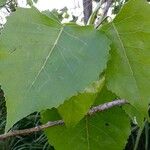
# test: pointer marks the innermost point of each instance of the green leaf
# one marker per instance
(74, 109)
(54, 14)
(44, 63)
(2, 2)
(35, 1)
(108, 130)
(104, 96)
(128, 72)
(30, 2)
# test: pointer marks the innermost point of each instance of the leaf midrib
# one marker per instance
(87, 132)
(48, 56)
(128, 61)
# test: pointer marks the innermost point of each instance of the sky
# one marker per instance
(50, 4)
(74, 7)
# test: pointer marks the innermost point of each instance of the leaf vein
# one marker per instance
(48, 56)
(128, 61)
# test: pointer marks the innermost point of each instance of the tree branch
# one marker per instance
(108, 5)
(106, 106)
(49, 124)
(87, 10)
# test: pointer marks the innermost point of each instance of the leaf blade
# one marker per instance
(103, 130)
(41, 49)
(128, 69)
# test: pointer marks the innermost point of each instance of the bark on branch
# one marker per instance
(87, 10)
(49, 124)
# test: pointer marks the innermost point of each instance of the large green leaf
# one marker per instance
(128, 72)
(108, 130)
(44, 63)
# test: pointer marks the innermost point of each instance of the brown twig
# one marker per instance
(106, 106)
(49, 124)
(31, 130)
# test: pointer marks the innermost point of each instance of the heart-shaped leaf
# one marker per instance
(44, 63)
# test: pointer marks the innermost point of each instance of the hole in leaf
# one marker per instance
(106, 124)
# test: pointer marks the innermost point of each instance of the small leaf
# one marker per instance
(108, 130)
(2, 2)
(74, 109)
(35, 1)
(53, 15)
(46, 63)
(104, 96)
